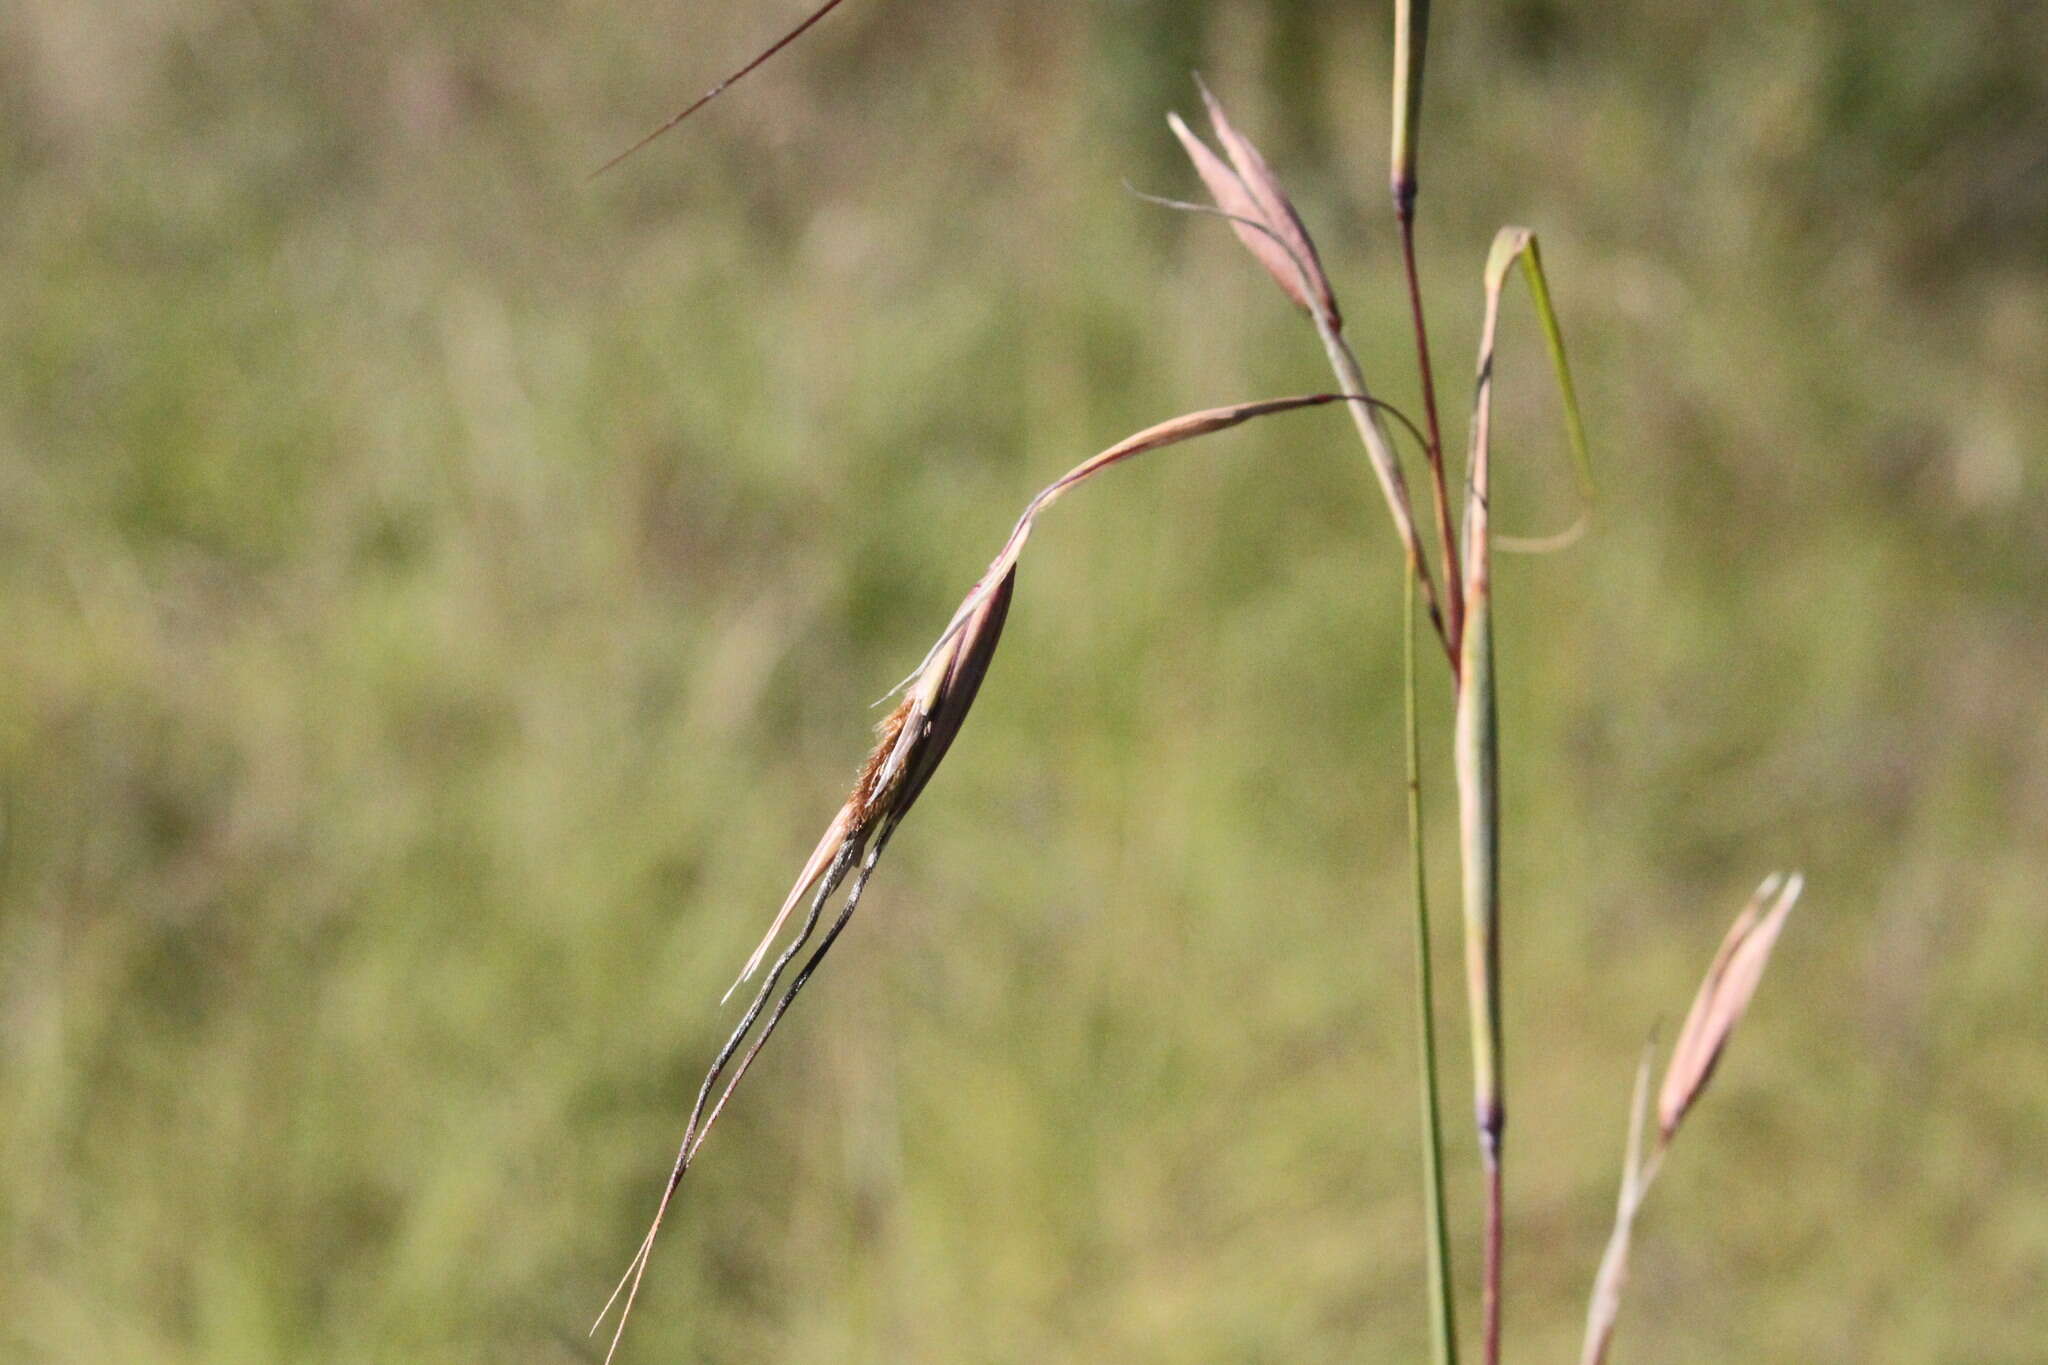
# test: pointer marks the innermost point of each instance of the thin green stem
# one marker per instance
(1443, 1322)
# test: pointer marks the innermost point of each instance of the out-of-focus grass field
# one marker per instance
(440, 600)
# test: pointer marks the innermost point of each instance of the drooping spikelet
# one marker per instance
(912, 740)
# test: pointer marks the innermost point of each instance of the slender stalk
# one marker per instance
(1476, 742)
(1454, 595)
(1372, 431)
(1443, 1323)
(1637, 1176)
(719, 89)
(1489, 1299)
(1411, 46)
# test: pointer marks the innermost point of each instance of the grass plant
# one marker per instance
(915, 736)
(442, 602)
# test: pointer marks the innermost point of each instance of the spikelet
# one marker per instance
(1731, 980)
(1260, 213)
(1722, 998)
(912, 740)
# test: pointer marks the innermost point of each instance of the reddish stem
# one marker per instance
(1454, 588)
(1489, 1303)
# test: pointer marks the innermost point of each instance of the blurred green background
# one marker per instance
(440, 600)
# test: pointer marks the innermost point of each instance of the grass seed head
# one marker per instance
(1723, 996)
(910, 743)
(1260, 213)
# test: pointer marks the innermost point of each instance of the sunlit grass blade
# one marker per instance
(1531, 256)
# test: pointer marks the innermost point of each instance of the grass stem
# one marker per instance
(1489, 1299)
(1443, 1323)
(1454, 596)
(1372, 432)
